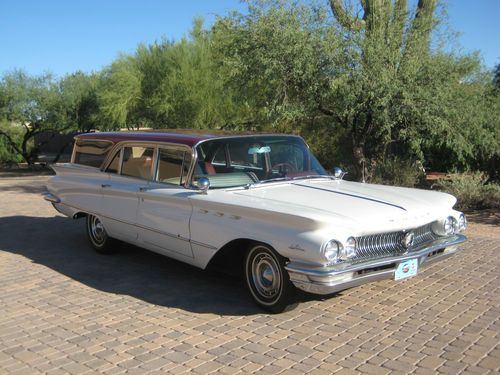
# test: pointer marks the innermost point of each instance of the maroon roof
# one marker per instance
(187, 137)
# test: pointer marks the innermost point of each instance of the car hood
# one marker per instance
(351, 203)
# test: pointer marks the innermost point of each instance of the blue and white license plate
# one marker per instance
(405, 269)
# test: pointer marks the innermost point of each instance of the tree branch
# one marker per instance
(344, 18)
(331, 113)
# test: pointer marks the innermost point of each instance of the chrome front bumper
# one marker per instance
(327, 280)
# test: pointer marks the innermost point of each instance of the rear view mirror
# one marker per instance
(259, 150)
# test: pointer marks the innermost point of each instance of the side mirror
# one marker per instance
(339, 173)
(203, 185)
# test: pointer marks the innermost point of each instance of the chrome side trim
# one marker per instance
(203, 245)
(179, 237)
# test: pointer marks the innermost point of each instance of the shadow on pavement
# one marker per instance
(25, 188)
(60, 244)
(488, 217)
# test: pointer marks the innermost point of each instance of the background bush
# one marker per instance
(472, 191)
(7, 154)
(398, 172)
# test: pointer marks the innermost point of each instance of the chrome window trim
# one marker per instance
(184, 176)
(195, 153)
(111, 158)
(73, 151)
(156, 146)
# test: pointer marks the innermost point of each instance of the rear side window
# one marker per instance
(91, 152)
(137, 162)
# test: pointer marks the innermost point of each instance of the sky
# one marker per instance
(64, 36)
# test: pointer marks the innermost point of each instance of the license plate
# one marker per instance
(406, 269)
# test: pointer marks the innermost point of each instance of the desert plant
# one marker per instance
(9, 146)
(396, 171)
(472, 190)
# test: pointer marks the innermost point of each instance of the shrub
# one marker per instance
(7, 154)
(397, 172)
(472, 191)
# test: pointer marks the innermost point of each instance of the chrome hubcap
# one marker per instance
(266, 276)
(97, 230)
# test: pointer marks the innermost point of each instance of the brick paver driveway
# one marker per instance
(65, 309)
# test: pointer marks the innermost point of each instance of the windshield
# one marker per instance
(231, 162)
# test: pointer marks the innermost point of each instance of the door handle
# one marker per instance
(105, 185)
(143, 189)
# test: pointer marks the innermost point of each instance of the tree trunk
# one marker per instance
(358, 153)
(27, 156)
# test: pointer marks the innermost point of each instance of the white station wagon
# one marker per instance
(261, 204)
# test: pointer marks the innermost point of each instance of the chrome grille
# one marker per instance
(390, 244)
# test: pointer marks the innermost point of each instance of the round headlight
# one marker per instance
(331, 251)
(462, 223)
(349, 250)
(450, 225)
(445, 227)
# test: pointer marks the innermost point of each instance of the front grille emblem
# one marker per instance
(407, 240)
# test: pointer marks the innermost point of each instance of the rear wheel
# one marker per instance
(267, 280)
(98, 237)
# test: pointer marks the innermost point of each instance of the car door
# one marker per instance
(128, 174)
(164, 208)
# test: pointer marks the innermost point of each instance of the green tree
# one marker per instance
(119, 95)
(372, 97)
(371, 85)
(167, 84)
(79, 95)
(36, 105)
(277, 59)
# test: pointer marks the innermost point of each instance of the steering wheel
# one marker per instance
(288, 167)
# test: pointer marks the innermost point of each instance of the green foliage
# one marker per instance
(456, 124)
(362, 83)
(79, 99)
(371, 85)
(275, 59)
(400, 172)
(472, 191)
(8, 154)
(33, 103)
(168, 85)
(36, 104)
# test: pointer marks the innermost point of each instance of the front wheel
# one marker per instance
(97, 235)
(267, 280)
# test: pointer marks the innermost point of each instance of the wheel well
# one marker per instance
(229, 259)
(79, 215)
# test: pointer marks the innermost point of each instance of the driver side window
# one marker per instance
(173, 165)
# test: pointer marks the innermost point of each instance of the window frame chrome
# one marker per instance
(119, 146)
